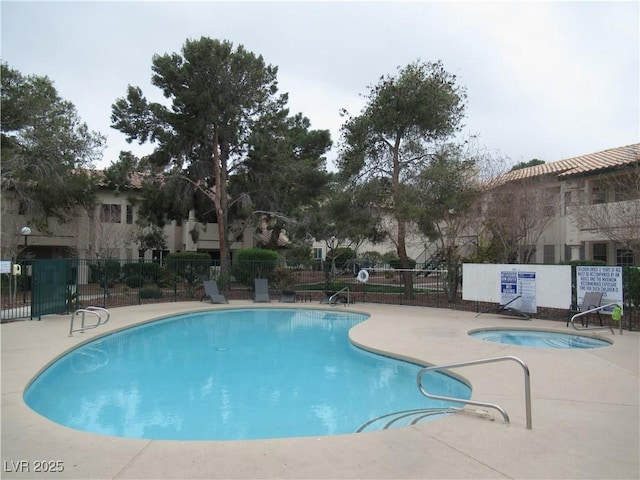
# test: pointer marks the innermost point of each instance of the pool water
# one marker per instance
(229, 375)
(539, 338)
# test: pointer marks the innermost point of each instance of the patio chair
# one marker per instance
(288, 296)
(211, 292)
(590, 300)
(261, 293)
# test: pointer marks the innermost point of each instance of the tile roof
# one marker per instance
(590, 163)
(135, 180)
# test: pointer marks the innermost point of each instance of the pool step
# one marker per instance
(88, 359)
(401, 418)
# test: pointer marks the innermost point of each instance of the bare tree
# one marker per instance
(516, 214)
(107, 240)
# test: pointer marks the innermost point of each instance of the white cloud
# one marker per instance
(544, 79)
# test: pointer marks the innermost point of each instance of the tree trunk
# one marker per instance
(453, 274)
(272, 244)
(221, 203)
(407, 277)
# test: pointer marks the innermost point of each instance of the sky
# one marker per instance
(545, 80)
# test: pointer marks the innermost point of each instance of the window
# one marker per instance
(317, 253)
(624, 257)
(598, 195)
(600, 252)
(159, 255)
(551, 197)
(549, 254)
(567, 201)
(111, 213)
(129, 214)
(626, 188)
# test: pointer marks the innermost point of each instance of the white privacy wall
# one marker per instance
(481, 283)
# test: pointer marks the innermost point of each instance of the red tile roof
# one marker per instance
(592, 162)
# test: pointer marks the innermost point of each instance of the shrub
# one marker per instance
(585, 263)
(253, 263)
(341, 256)
(299, 255)
(104, 272)
(148, 270)
(396, 264)
(631, 281)
(191, 267)
(151, 292)
(282, 278)
(372, 259)
(166, 278)
(134, 281)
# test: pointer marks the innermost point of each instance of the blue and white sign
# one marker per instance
(520, 289)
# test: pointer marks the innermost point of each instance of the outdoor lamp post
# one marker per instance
(26, 231)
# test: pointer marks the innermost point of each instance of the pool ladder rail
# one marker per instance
(333, 300)
(593, 310)
(102, 316)
(505, 416)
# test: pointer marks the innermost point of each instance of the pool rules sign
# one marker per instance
(518, 290)
(607, 280)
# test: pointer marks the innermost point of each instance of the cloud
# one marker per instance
(545, 80)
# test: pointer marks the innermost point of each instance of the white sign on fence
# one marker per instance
(482, 282)
(607, 280)
(521, 286)
(5, 266)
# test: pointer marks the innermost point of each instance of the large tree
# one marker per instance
(45, 150)
(217, 93)
(393, 138)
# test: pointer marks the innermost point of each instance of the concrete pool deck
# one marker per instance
(585, 410)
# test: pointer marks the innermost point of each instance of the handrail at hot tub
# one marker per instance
(527, 385)
(593, 310)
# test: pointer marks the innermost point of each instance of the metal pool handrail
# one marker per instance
(97, 311)
(335, 295)
(592, 310)
(505, 416)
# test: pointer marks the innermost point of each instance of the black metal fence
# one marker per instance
(62, 286)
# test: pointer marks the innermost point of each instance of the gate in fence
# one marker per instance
(54, 285)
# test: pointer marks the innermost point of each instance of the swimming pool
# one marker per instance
(231, 374)
(539, 338)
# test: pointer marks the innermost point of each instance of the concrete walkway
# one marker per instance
(586, 420)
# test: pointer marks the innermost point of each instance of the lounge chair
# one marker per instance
(288, 296)
(211, 292)
(261, 293)
(590, 300)
(511, 311)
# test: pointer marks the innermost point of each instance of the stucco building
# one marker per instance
(581, 208)
(587, 208)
